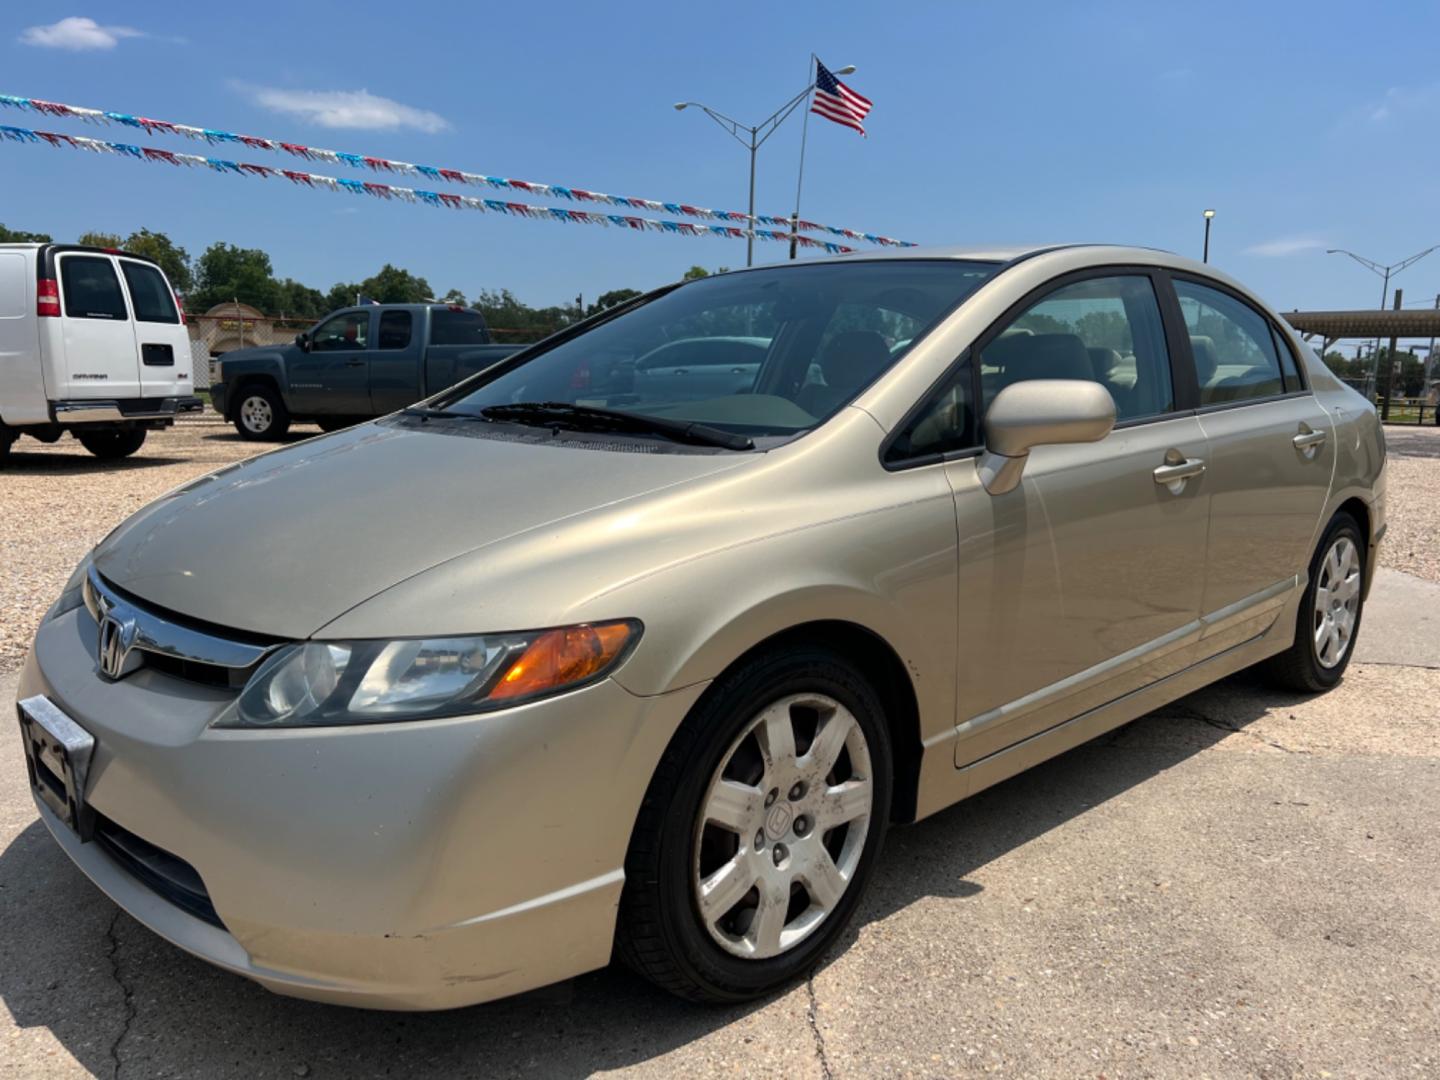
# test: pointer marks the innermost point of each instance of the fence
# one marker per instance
(1411, 411)
(212, 335)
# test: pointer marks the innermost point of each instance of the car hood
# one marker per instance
(284, 543)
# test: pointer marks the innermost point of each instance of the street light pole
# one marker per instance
(1205, 257)
(753, 137)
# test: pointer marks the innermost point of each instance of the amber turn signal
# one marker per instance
(566, 657)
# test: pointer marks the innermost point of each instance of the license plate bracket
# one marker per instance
(58, 752)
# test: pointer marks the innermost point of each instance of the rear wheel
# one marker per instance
(1329, 616)
(759, 830)
(112, 445)
(337, 423)
(260, 414)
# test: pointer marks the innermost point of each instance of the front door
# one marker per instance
(332, 378)
(102, 359)
(1272, 452)
(1085, 582)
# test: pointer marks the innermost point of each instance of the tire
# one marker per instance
(735, 953)
(336, 423)
(259, 414)
(112, 445)
(1307, 666)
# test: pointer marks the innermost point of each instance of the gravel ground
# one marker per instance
(59, 502)
(1413, 542)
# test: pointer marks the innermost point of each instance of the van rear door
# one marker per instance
(101, 356)
(160, 336)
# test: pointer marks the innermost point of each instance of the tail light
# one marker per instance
(179, 306)
(580, 377)
(47, 298)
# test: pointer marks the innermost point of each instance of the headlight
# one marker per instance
(367, 682)
(73, 595)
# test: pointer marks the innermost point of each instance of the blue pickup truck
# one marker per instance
(354, 364)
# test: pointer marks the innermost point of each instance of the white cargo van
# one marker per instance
(93, 342)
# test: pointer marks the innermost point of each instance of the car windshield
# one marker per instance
(761, 353)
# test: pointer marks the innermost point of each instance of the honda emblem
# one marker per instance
(113, 647)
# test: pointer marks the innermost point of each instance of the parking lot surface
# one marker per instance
(1242, 883)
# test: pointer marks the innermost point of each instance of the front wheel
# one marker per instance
(1329, 616)
(760, 829)
(260, 414)
(112, 445)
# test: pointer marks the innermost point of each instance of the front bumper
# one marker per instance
(409, 866)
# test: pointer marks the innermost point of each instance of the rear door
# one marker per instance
(160, 336)
(1272, 453)
(395, 362)
(101, 357)
(332, 378)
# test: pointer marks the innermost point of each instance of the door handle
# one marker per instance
(1173, 474)
(354, 361)
(1306, 439)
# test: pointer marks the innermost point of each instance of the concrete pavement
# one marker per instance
(1243, 883)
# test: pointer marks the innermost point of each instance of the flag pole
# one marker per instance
(800, 179)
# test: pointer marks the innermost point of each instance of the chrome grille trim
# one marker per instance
(156, 634)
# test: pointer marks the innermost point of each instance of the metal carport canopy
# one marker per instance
(1333, 325)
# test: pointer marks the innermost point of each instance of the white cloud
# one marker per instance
(1286, 245)
(349, 109)
(77, 34)
(1397, 103)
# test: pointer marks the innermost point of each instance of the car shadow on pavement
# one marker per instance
(80, 463)
(109, 991)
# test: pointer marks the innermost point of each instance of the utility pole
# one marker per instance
(1390, 362)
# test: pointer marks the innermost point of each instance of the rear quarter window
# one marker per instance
(149, 292)
(457, 328)
(91, 288)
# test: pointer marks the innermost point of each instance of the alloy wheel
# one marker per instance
(782, 826)
(256, 414)
(1337, 602)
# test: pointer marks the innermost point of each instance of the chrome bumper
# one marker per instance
(111, 411)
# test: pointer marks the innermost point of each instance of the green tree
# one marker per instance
(341, 294)
(456, 297)
(226, 272)
(298, 301)
(99, 239)
(695, 273)
(611, 299)
(17, 236)
(173, 258)
(391, 285)
(515, 321)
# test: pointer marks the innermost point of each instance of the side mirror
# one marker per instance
(1040, 412)
(302, 340)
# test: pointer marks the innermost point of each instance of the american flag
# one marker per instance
(836, 101)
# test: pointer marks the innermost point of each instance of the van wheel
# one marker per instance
(112, 445)
(1329, 618)
(759, 830)
(260, 414)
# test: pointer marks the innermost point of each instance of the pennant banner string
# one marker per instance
(215, 136)
(413, 195)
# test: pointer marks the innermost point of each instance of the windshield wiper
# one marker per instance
(593, 418)
(426, 413)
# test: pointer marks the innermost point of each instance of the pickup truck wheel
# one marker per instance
(260, 414)
(112, 445)
(337, 423)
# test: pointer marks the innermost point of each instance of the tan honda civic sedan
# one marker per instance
(639, 641)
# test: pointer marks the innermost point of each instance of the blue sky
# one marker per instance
(1305, 126)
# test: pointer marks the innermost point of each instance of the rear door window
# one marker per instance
(1293, 381)
(153, 300)
(1232, 343)
(91, 288)
(394, 329)
(457, 328)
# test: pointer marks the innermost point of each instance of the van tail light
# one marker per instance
(179, 306)
(47, 298)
